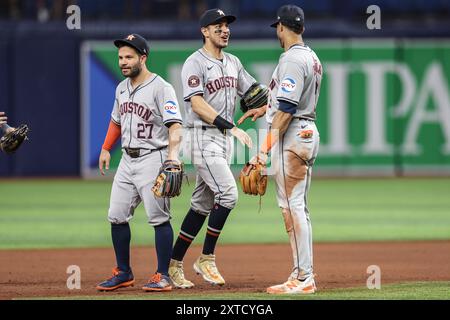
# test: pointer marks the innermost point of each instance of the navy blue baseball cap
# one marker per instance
(135, 41)
(214, 16)
(290, 16)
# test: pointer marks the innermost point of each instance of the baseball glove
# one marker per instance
(169, 180)
(253, 179)
(11, 141)
(255, 97)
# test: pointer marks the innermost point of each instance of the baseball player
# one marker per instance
(291, 115)
(147, 117)
(212, 80)
(4, 124)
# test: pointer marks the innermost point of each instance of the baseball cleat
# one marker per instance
(205, 265)
(158, 283)
(295, 286)
(176, 274)
(120, 279)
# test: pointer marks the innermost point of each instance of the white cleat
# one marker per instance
(176, 275)
(294, 286)
(206, 266)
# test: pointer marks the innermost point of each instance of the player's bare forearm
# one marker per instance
(203, 109)
(175, 138)
(280, 125)
(281, 122)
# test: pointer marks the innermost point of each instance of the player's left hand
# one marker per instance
(169, 180)
(260, 158)
(254, 113)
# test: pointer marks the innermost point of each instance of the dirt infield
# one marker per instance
(246, 268)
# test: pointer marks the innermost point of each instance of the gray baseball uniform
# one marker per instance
(219, 82)
(296, 80)
(143, 113)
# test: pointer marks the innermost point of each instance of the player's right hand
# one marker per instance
(254, 113)
(242, 136)
(103, 161)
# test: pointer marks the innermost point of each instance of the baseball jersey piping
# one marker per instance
(207, 166)
(221, 65)
(115, 122)
(226, 96)
(287, 100)
(307, 185)
(302, 47)
(186, 99)
(287, 199)
(172, 121)
(308, 176)
(165, 205)
(128, 87)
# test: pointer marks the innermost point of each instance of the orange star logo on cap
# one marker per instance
(131, 37)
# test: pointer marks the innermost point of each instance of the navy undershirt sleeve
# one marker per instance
(287, 107)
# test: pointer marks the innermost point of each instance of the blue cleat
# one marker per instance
(119, 279)
(158, 283)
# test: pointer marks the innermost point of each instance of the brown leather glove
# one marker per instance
(11, 141)
(253, 179)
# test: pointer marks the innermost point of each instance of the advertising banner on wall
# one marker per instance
(384, 106)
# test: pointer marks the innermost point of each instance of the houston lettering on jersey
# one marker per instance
(220, 83)
(132, 107)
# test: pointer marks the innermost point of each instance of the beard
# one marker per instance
(133, 72)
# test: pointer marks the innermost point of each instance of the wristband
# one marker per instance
(222, 124)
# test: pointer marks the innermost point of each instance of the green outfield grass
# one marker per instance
(72, 213)
(402, 291)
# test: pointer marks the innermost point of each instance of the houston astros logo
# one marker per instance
(131, 37)
(288, 85)
(193, 81)
(170, 107)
